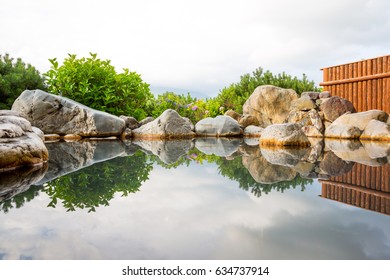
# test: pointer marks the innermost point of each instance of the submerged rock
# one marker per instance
(269, 104)
(169, 125)
(55, 114)
(288, 134)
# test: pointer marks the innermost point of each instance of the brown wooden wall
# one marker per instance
(365, 83)
(364, 186)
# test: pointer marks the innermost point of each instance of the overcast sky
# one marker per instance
(198, 46)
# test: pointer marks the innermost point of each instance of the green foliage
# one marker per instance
(95, 83)
(96, 185)
(15, 77)
(234, 96)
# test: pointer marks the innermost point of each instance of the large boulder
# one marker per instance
(19, 144)
(288, 134)
(304, 103)
(59, 115)
(376, 130)
(351, 126)
(170, 125)
(269, 104)
(222, 147)
(334, 107)
(220, 126)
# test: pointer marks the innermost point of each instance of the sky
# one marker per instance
(198, 46)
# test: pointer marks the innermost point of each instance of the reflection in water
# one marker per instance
(198, 202)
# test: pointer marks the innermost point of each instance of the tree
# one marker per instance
(15, 77)
(95, 83)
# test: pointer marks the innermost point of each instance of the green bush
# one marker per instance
(15, 77)
(234, 96)
(95, 83)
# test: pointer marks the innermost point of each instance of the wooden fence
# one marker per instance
(364, 186)
(365, 83)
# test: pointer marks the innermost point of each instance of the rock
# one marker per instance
(316, 120)
(52, 137)
(59, 115)
(251, 141)
(351, 126)
(264, 172)
(313, 95)
(168, 151)
(127, 134)
(334, 107)
(324, 94)
(300, 117)
(19, 145)
(248, 120)
(169, 125)
(130, 122)
(289, 134)
(189, 122)
(312, 131)
(223, 147)
(269, 104)
(376, 130)
(220, 126)
(304, 103)
(146, 120)
(72, 137)
(38, 132)
(253, 131)
(233, 114)
(316, 149)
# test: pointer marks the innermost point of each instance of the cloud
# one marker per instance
(199, 45)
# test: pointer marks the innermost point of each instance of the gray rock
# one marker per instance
(253, 131)
(313, 95)
(312, 131)
(59, 115)
(146, 120)
(304, 103)
(169, 125)
(334, 107)
(376, 130)
(233, 115)
(351, 126)
(19, 145)
(130, 122)
(332, 165)
(324, 94)
(269, 104)
(248, 120)
(289, 134)
(220, 126)
(316, 120)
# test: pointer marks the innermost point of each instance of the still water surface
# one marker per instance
(204, 200)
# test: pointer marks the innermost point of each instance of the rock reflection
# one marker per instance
(87, 174)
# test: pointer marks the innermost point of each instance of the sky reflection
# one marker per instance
(195, 213)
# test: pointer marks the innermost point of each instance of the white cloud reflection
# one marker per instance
(178, 214)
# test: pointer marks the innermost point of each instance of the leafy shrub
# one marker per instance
(235, 95)
(95, 83)
(15, 77)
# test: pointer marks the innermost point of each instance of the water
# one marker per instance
(213, 199)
